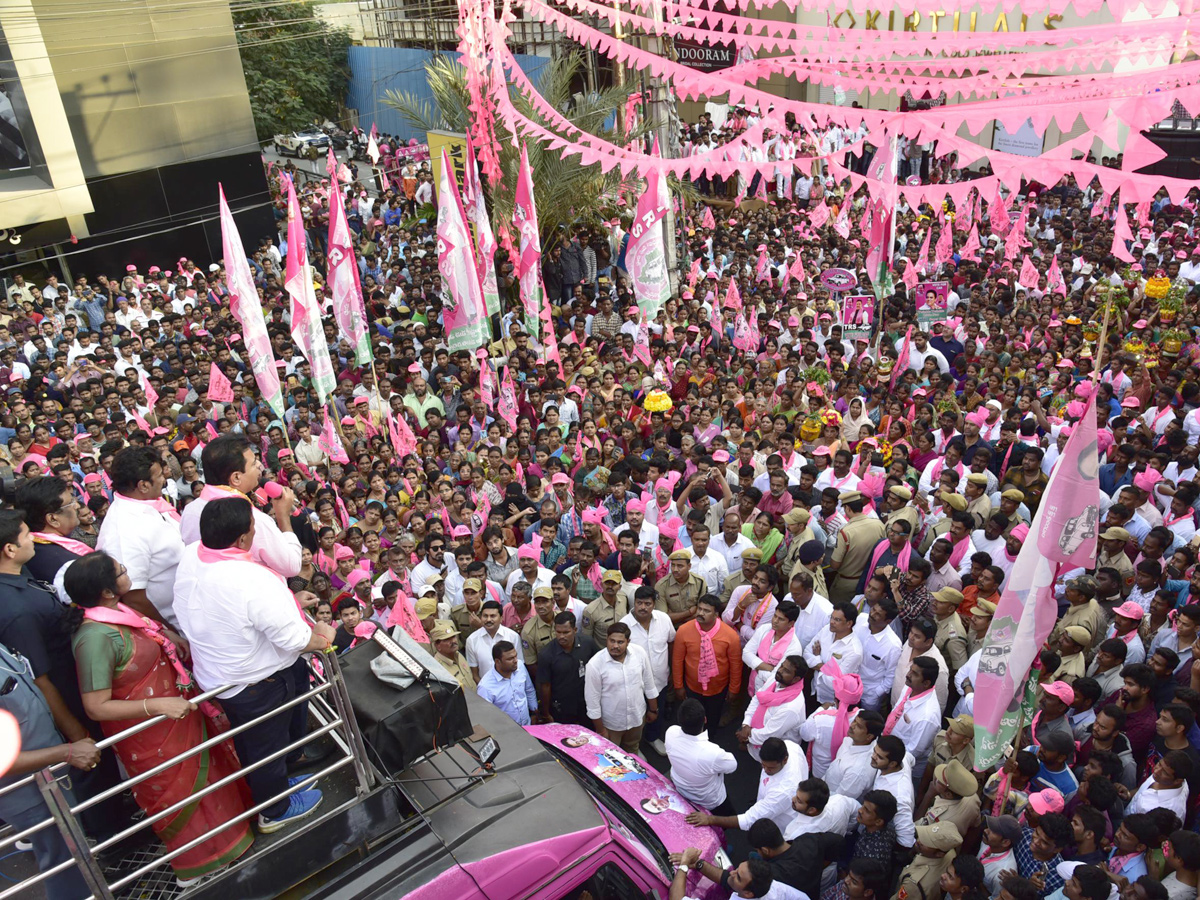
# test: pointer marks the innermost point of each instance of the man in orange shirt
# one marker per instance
(707, 662)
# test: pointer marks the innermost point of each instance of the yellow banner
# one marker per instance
(455, 145)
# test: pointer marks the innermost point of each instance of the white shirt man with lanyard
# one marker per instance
(918, 716)
(231, 468)
(246, 629)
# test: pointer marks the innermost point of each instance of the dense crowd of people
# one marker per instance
(795, 540)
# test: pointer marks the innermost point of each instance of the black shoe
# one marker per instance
(310, 756)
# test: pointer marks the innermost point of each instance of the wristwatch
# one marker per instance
(682, 867)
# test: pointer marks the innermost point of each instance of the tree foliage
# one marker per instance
(565, 191)
(297, 66)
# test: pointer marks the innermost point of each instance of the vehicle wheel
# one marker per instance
(278, 150)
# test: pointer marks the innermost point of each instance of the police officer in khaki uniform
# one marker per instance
(896, 502)
(426, 610)
(855, 544)
(466, 617)
(812, 558)
(751, 557)
(1071, 651)
(951, 640)
(936, 848)
(954, 742)
(538, 631)
(955, 798)
(1011, 500)
(445, 644)
(610, 607)
(951, 503)
(981, 620)
(797, 521)
(979, 505)
(678, 593)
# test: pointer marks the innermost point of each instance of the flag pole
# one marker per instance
(1103, 340)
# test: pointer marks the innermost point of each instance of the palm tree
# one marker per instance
(565, 191)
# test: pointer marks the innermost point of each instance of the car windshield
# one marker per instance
(621, 811)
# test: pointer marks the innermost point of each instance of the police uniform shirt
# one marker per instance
(459, 669)
(600, 614)
(534, 636)
(461, 617)
(35, 722)
(673, 597)
(919, 880)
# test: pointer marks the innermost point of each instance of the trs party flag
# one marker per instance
(1054, 278)
(1062, 536)
(646, 255)
(463, 313)
(307, 328)
(348, 308)
(246, 308)
(508, 399)
(220, 389)
(330, 443)
(529, 248)
(485, 238)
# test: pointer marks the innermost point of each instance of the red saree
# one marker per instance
(142, 672)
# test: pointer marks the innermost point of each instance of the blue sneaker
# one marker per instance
(297, 779)
(301, 805)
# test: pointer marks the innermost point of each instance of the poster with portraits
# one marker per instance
(931, 297)
(858, 317)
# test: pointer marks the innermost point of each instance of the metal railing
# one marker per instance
(335, 719)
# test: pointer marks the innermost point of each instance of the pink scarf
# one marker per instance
(219, 492)
(848, 690)
(707, 669)
(158, 505)
(405, 616)
(79, 548)
(123, 615)
(958, 551)
(773, 695)
(902, 559)
(771, 651)
(232, 554)
(895, 714)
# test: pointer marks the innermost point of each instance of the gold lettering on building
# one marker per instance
(872, 17)
(934, 16)
(912, 21)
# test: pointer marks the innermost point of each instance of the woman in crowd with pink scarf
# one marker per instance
(129, 671)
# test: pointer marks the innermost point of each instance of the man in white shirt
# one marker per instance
(778, 710)
(918, 716)
(246, 630)
(434, 563)
(835, 643)
(815, 610)
(881, 645)
(231, 468)
(651, 630)
(851, 772)
(731, 543)
(750, 605)
(698, 766)
(819, 811)
(893, 773)
(921, 635)
(783, 767)
(619, 690)
(528, 570)
(707, 562)
(635, 521)
(482, 640)
(141, 531)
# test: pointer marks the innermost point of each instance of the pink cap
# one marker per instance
(459, 531)
(284, 452)
(1140, 323)
(721, 456)
(343, 552)
(1130, 610)
(1048, 800)
(1131, 403)
(93, 478)
(1020, 532)
(131, 268)
(359, 401)
(1061, 690)
(560, 478)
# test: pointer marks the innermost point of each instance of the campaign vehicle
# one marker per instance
(302, 144)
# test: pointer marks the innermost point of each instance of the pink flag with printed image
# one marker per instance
(708, 221)
(349, 310)
(330, 443)
(220, 389)
(1029, 273)
(507, 407)
(1054, 278)
(1062, 536)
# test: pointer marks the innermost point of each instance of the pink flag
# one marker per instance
(909, 278)
(645, 254)
(761, 268)
(971, 247)
(487, 394)
(402, 436)
(307, 328)
(485, 238)
(331, 444)
(741, 334)
(508, 400)
(349, 311)
(148, 390)
(708, 221)
(818, 215)
(733, 296)
(694, 272)
(1054, 278)
(1121, 234)
(247, 309)
(220, 389)
(901, 365)
(528, 263)
(842, 224)
(1029, 274)
(716, 320)
(923, 253)
(463, 312)
(944, 250)
(1062, 536)
(1100, 207)
(761, 192)
(880, 168)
